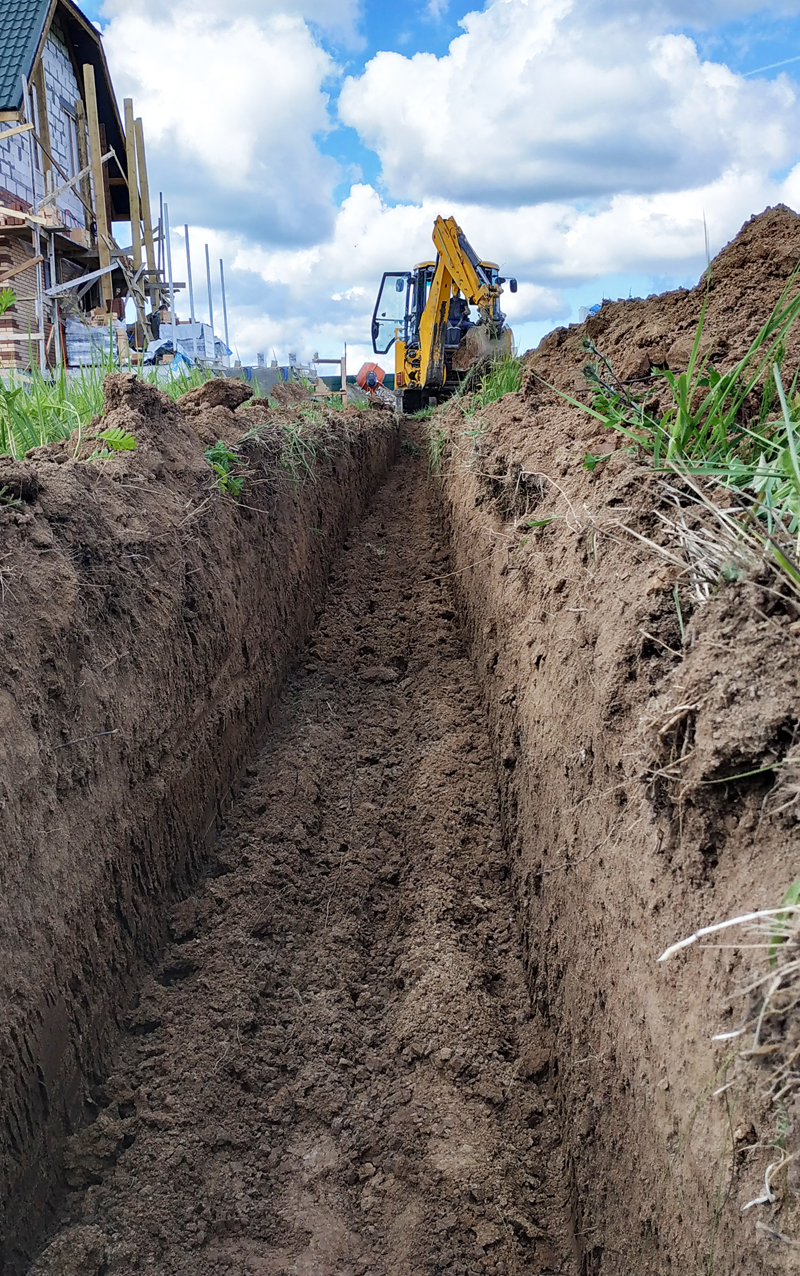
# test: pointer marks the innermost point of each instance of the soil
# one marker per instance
(147, 622)
(638, 796)
(334, 1069)
(405, 1015)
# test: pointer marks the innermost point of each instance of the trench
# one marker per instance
(333, 1068)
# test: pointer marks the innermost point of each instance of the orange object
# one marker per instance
(370, 376)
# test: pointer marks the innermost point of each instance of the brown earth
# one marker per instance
(617, 734)
(147, 622)
(334, 1069)
(412, 1019)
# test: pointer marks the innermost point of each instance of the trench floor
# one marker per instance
(334, 1069)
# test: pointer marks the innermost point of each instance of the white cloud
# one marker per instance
(545, 99)
(572, 139)
(230, 111)
(336, 16)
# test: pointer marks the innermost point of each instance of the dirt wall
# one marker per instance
(615, 734)
(146, 623)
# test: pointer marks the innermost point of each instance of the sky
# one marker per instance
(588, 146)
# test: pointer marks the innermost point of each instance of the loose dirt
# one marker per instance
(335, 1069)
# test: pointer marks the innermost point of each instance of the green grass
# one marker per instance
(737, 429)
(36, 409)
(504, 376)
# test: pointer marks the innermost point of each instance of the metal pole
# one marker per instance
(208, 280)
(189, 272)
(53, 282)
(37, 239)
(169, 277)
(224, 303)
(161, 232)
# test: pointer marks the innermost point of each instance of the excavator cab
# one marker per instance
(425, 313)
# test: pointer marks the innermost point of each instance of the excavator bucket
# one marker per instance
(479, 345)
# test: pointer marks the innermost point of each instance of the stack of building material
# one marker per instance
(88, 344)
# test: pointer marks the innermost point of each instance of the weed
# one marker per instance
(720, 427)
(114, 439)
(504, 376)
(8, 500)
(436, 445)
(424, 413)
(222, 462)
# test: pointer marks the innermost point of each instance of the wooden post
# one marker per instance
(133, 184)
(38, 85)
(144, 190)
(98, 183)
(83, 150)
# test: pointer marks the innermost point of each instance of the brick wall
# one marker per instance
(21, 318)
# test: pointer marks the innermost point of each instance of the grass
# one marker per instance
(37, 409)
(503, 376)
(735, 430)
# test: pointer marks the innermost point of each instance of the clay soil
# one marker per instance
(334, 1069)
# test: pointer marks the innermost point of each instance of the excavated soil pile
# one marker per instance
(147, 621)
(620, 719)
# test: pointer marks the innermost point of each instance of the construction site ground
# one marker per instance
(343, 821)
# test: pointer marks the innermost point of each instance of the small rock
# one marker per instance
(534, 1062)
(380, 673)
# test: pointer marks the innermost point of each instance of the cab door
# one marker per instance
(389, 314)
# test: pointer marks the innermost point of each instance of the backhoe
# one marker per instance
(425, 314)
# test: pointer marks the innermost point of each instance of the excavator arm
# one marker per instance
(457, 270)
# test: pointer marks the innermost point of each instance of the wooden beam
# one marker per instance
(9, 117)
(106, 176)
(11, 132)
(18, 270)
(98, 181)
(39, 88)
(144, 188)
(83, 152)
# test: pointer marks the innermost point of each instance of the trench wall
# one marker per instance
(574, 630)
(146, 624)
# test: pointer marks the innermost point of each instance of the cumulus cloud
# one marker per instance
(231, 110)
(542, 100)
(572, 139)
(337, 16)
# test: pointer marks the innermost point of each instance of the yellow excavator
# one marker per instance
(425, 314)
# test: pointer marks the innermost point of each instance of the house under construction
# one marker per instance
(69, 168)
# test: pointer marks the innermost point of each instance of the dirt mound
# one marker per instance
(147, 620)
(221, 392)
(745, 281)
(285, 393)
(644, 752)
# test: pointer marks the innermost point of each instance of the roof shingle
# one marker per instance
(21, 24)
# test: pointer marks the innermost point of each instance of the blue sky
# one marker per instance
(581, 141)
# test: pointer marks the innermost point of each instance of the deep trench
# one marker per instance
(333, 1068)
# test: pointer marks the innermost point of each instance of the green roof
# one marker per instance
(21, 26)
